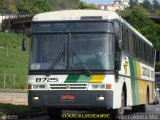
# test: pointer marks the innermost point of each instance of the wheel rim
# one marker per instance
(121, 110)
(147, 101)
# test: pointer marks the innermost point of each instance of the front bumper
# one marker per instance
(83, 99)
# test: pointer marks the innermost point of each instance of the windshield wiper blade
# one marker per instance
(58, 58)
(81, 63)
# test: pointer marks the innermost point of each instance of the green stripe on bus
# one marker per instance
(72, 78)
(84, 79)
(134, 82)
(78, 79)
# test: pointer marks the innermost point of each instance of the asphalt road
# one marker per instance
(21, 99)
(152, 114)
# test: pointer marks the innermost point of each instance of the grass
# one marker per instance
(13, 61)
(10, 109)
(13, 109)
(14, 90)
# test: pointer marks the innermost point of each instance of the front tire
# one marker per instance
(118, 113)
(54, 114)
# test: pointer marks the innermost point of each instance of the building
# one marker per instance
(1, 19)
(117, 5)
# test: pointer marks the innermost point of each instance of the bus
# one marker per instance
(88, 60)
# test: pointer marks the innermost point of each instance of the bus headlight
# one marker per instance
(36, 98)
(100, 98)
(96, 87)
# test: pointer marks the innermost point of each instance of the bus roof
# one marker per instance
(74, 15)
(77, 14)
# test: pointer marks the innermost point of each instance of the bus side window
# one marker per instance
(125, 39)
(118, 35)
(131, 43)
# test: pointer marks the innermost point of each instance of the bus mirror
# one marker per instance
(119, 45)
(117, 68)
(27, 32)
(116, 75)
(117, 65)
(24, 44)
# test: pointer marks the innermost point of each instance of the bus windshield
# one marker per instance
(94, 50)
(61, 49)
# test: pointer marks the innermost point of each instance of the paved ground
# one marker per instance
(152, 114)
(14, 98)
(21, 99)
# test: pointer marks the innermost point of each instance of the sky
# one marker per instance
(103, 1)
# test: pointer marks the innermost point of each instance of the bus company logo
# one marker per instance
(68, 86)
(125, 66)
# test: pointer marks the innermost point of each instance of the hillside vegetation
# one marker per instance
(32, 7)
(13, 61)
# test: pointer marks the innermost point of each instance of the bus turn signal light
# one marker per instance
(108, 86)
(29, 86)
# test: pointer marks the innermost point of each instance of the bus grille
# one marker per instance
(68, 86)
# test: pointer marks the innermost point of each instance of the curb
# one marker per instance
(14, 90)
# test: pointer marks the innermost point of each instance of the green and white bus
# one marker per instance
(88, 59)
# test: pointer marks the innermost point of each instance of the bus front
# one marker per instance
(71, 64)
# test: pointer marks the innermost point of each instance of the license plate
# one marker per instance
(68, 97)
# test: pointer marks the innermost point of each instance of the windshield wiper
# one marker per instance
(58, 58)
(82, 64)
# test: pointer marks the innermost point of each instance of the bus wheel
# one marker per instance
(120, 111)
(54, 114)
(135, 108)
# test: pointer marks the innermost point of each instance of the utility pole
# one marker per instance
(2, 12)
(9, 24)
(2, 16)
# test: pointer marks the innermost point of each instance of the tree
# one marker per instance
(147, 5)
(138, 18)
(83, 5)
(8, 6)
(32, 6)
(63, 4)
(155, 4)
(133, 3)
